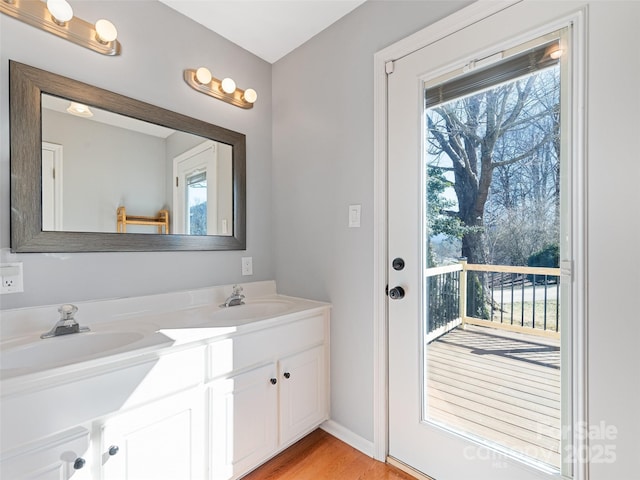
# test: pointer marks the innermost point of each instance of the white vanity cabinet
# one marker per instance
(163, 440)
(244, 421)
(302, 393)
(150, 409)
(269, 388)
(212, 407)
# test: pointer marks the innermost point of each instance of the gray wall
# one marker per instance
(105, 167)
(322, 163)
(157, 45)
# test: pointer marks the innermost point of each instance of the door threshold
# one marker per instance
(394, 462)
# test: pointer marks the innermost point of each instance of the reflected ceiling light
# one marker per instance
(56, 16)
(226, 89)
(79, 109)
(554, 51)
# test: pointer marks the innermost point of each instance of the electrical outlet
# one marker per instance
(247, 265)
(11, 278)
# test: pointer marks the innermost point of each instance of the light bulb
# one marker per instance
(60, 10)
(554, 51)
(203, 75)
(228, 85)
(250, 95)
(556, 54)
(79, 109)
(105, 31)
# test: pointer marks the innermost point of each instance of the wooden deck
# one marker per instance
(500, 386)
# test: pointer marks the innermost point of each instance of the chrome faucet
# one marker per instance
(67, 324)
(236, 297)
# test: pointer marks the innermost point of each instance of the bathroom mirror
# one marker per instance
(121, 176)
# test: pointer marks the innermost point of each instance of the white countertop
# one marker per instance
(134, 327)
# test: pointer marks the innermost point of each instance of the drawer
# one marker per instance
(254, 348)
(168, 374)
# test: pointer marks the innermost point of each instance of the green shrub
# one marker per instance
(549, 256)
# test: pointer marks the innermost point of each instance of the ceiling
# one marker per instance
(267, 28)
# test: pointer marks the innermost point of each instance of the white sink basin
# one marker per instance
(249, 312)
(64, 350)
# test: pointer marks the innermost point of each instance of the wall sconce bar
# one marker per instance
(225, 90)
(76, 30)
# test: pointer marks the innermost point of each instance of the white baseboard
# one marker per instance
(347, 436)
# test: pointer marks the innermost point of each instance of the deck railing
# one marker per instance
(515, 298)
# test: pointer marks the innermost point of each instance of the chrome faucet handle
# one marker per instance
(235, 298)
(67, 311)
(237, 290)
(66, 324)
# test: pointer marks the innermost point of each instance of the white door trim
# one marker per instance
(447, 26)
(430, 34)
(56, 182)
(178, 191)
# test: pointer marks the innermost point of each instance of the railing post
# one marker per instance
(463, 291)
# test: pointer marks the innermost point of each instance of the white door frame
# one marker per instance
(178, 197)
(55, 182)
(383, 63)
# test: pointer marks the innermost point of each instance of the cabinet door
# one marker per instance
(303, 403)
(163, 440)
(243, 411)
(57, 458)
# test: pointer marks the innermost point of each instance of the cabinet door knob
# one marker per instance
(113, 449)
(273, 381)
(79, 463)
(287, 375)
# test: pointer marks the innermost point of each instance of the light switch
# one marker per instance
(354, 216)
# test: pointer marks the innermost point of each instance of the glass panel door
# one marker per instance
(480, 380)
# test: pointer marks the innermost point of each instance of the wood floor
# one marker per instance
(499, 386)
(320, 456)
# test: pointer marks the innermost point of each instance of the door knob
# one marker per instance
(287, 375)
(273, 381)
(113, 450)
(396, 293)
(79, 463)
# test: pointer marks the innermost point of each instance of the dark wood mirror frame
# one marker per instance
(26, 85)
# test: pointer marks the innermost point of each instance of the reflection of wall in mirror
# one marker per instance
(98, 173)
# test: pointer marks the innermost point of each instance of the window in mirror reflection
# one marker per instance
(197, 203)
(113, 161)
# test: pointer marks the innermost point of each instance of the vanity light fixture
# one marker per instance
(201, 80)
(56, 16)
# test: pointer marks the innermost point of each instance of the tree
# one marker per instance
(492, 131)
